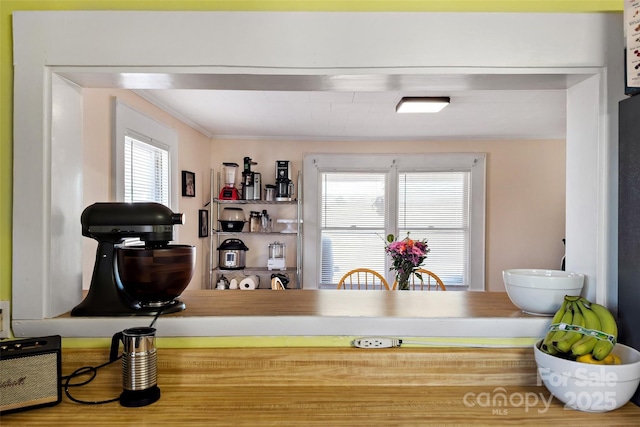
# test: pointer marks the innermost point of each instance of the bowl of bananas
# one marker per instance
(580, 362)
(540, 292)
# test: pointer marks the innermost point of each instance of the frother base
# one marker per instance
(138, 398)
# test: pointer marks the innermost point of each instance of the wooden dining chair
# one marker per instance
(429, 282)
(363, 279)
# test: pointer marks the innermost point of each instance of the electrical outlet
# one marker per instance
(5, 319)
(376, 342)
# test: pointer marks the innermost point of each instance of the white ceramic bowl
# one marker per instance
(541, 292)
(587, 387)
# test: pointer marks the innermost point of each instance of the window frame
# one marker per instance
(133, 123)
(316, 164)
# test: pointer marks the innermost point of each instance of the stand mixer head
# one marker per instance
(135, 280)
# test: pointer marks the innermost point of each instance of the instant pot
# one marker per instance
(232, 253)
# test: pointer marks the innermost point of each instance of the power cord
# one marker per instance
(93, 370)
(65, 380)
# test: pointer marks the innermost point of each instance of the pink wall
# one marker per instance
(525, 218)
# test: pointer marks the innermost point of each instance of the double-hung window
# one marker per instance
(146, 158)
(352, 202)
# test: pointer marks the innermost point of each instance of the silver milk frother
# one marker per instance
(139, 366)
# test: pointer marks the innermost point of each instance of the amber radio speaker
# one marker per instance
(29, 373)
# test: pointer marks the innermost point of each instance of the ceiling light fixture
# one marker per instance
(422, 104)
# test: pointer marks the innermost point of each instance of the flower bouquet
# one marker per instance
(407, 255)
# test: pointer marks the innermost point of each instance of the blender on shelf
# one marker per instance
(229, 191)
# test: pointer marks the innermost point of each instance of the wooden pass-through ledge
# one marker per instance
(214, 313)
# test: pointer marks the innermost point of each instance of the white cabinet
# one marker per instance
(288, 231)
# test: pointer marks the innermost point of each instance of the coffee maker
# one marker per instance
(135, 280)
(284, 185)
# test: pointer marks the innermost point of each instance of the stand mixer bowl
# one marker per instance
(156, 277)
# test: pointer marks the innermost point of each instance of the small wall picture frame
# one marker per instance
(203, 223)
(188, 184)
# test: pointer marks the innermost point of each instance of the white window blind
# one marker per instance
(431, 205)
(435, 206)
(146, 172)
(352, 223)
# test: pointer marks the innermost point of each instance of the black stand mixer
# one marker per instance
(135, 280)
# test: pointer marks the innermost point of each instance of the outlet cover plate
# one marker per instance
(5, 325)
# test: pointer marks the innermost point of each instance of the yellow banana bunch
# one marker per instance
(582, 331)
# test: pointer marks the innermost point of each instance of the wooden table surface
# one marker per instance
(324, 387)
(350, 303)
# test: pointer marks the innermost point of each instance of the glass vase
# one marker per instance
(403, 280)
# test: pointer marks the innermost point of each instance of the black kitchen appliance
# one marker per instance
(135, 280)
(628, 225)
(284, 185)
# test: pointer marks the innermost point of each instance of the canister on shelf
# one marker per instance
(255, 222)
(269, 192)
(266, 221)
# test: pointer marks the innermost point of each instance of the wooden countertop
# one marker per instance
(349, 303)
(323, 386)
(214, 313)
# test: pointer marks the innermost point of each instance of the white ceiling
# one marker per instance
(348, 115)
(353, 107)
